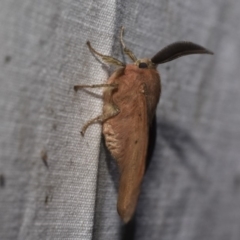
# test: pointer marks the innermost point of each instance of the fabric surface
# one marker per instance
(43, 55)
(56, 184)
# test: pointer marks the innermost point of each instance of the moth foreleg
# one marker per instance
(77, 87)
(105, 58)
(125, 49)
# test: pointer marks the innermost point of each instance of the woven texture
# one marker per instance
(44, 54)
(55, 184)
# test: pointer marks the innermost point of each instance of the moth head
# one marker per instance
(176, 50)
(145, 63)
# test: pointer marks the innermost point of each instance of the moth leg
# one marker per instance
(84, 128)
(77, 87)
(105, 58)
(112, 110)
(125, 49)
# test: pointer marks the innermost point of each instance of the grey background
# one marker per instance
(191, 190)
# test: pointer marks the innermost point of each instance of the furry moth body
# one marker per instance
(130, 98)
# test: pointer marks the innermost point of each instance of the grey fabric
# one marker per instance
(43, 55)
(55, 184)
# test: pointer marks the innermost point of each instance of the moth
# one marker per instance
(130, 98)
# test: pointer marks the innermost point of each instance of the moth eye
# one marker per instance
(142, 65)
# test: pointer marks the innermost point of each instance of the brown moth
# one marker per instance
(130, 98)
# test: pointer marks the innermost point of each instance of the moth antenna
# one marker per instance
(127, 51)
(105, 58)
(178, 49)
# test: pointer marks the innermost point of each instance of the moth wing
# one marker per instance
(132, 165)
